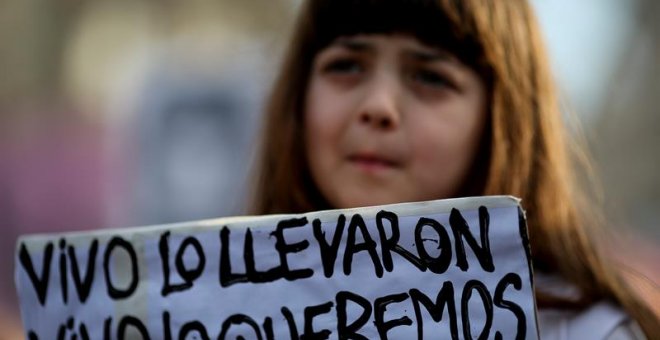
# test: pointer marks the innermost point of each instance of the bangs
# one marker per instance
(432, 22)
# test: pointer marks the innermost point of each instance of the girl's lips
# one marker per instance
(372, 163)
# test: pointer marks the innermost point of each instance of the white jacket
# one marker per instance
(601, 321)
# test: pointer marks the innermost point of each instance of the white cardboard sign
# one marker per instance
(442, 269)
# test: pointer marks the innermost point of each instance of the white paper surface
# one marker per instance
(288, 280)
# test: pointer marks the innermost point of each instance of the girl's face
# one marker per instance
(389, 119)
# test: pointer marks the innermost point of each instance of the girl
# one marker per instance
(390, 101)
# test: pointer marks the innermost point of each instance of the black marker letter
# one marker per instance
(40, 283)
(268, 328)
(293, 329)
(188, 275)
(238, 319)
(329, 251)
(167, 326)
(391, 244)
(511, 279)
(438, 264)
(284, 248)
(461, 231)
(83, 285)
(227, 278)
(369, 245)
(193, 326)
(82, 329)
(310, 313)
(64, 283)
(251, 271)
(345, 331)
(445, 298)
(113, 292)
(137, 325)
(164, 250)
(488, 308)
(380, 306)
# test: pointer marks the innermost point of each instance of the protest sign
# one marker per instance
(444, 269)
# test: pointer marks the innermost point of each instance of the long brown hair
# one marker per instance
(524, 152)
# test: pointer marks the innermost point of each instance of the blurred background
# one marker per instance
(133, 112)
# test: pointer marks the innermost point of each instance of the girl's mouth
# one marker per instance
(371, 162)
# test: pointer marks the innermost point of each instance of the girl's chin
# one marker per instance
(367, 201)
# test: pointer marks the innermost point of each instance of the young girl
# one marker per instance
(390, 101)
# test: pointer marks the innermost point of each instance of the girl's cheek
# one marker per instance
(439, 145)
(329, 109)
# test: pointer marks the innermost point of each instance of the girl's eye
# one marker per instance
(343, 66)
(432, 78)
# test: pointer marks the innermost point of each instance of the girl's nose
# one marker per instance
(379, 107)
(377, 120)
